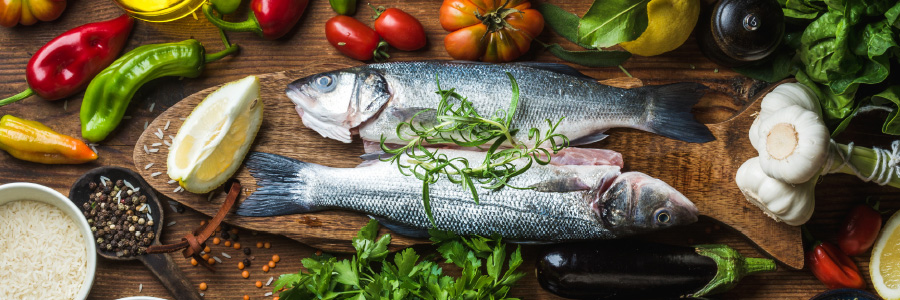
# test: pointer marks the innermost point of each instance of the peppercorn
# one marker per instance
(246, 263)
(211, 261)
(246, 297)
(267, 245)
(216, 241)
(246, 250)
(234, 237)
(240, 265)
(265, 268)
(245, 274)
(237, 246)
(259, 244)
(225, 235)
(207, 250)
(276, 258)
(271, 264)
(227, 243)
(258, 284)
(203, 286)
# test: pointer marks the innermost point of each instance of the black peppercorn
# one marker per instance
(92, 185)
(225, 235)
(246, 250)
(246, 263)
(234, 237)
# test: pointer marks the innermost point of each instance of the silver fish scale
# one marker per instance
(380, 190)
(588, 107)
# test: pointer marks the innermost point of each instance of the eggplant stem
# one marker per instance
(732, 266)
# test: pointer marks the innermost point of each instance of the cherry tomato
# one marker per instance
(860, 230)
(400, 29)
(489, 30)
(353, 38)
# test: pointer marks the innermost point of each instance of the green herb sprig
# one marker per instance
(458, 123)
(406, 277)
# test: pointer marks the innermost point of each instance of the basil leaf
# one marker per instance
(610, 22)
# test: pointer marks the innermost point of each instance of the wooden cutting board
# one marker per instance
(702, 172)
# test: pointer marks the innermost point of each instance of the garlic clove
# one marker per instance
(792, 144)
(754, 133)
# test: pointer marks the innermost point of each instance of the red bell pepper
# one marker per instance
(270, 19)
(833, 268)
(860, 229)
(66, 64)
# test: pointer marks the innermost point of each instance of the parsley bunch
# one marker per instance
(371, 275)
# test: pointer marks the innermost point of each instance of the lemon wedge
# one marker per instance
(884, 267)
(214, 139)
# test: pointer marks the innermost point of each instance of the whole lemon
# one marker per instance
(669, 23)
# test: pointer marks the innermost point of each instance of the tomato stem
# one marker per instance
(378, 10)
(380, 53)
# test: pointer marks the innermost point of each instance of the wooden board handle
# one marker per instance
(167, 271)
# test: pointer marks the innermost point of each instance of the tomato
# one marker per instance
(860, 230)
(400, 29)
(489, 30)
(353, 38)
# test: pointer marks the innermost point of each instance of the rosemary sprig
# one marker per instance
(457, 122)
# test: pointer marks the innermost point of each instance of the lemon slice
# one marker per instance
(884, 267)
(213, 140)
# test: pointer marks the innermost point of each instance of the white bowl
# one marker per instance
(30, 191)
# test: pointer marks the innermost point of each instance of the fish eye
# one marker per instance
(324, 82)
(663, 217)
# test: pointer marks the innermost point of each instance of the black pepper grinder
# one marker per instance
(740, 32)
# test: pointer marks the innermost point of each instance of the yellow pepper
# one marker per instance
(32, 141)
(27, 12)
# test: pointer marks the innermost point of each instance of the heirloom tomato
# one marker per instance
(28, 12)
(489, 30)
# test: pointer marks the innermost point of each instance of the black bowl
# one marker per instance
(845, 294)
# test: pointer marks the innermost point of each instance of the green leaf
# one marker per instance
(495, 262)
(825, 48)
(514, 102)
(772, 69)
(368, 232)
(405, 261)
(589, 58)
(347, 272)
(562, 22)
(610, 22)
(890, 96)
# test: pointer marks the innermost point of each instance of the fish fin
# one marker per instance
(588, 139)
(560, 185)
(670, 114)
(282, 189)
(554, 67)
(402, 229)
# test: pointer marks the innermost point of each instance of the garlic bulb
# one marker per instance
(791, 204)
(792, 144)
(781, 97)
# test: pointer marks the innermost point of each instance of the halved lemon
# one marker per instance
(884, 267)
(214, 139)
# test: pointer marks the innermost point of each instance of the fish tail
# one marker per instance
(671, 112)
(282, 186)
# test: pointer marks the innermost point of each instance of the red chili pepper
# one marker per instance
(833, 268)
(66, 64)
(860, 230)
(270, 19)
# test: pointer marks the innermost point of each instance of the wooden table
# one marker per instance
(307, 43)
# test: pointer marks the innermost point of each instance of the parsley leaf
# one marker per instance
(405, 276)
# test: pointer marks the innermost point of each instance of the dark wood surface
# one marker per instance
(116, 279)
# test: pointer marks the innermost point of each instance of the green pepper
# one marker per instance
(225, 6)
(108, 94)
(343, 7)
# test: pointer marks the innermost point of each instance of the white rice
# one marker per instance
(103, 180)
(140, 287)
(128, 184)
(146, 150)
(167, 143)
(155, 174)
(171, 224)
(148, 166)
(167, 125)
(66, 106)
(171, 181)
(270, 281)
(226, 255)
(154, 150)
(152, 105)
(146, 123)
(155, 144)
(267, 294)
(158, 134)
(33, 267)
(218, 260)
(178, 189)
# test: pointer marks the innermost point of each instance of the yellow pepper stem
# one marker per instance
(32, 141)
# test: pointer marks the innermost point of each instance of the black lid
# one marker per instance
(747, 30)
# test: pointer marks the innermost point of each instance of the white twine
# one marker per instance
(884, 170)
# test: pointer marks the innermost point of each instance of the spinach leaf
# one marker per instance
(889, 96)
(801, 9)
(835, 107)
(824, 48)
(774, 68)
(610, 22)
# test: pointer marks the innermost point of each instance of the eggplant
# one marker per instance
(626, 269)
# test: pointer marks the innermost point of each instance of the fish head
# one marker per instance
(333, 103)
(636, 203)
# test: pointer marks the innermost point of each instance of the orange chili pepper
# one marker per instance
(34, 142)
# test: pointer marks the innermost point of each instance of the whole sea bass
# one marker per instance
(374, 99)
(565, 202)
